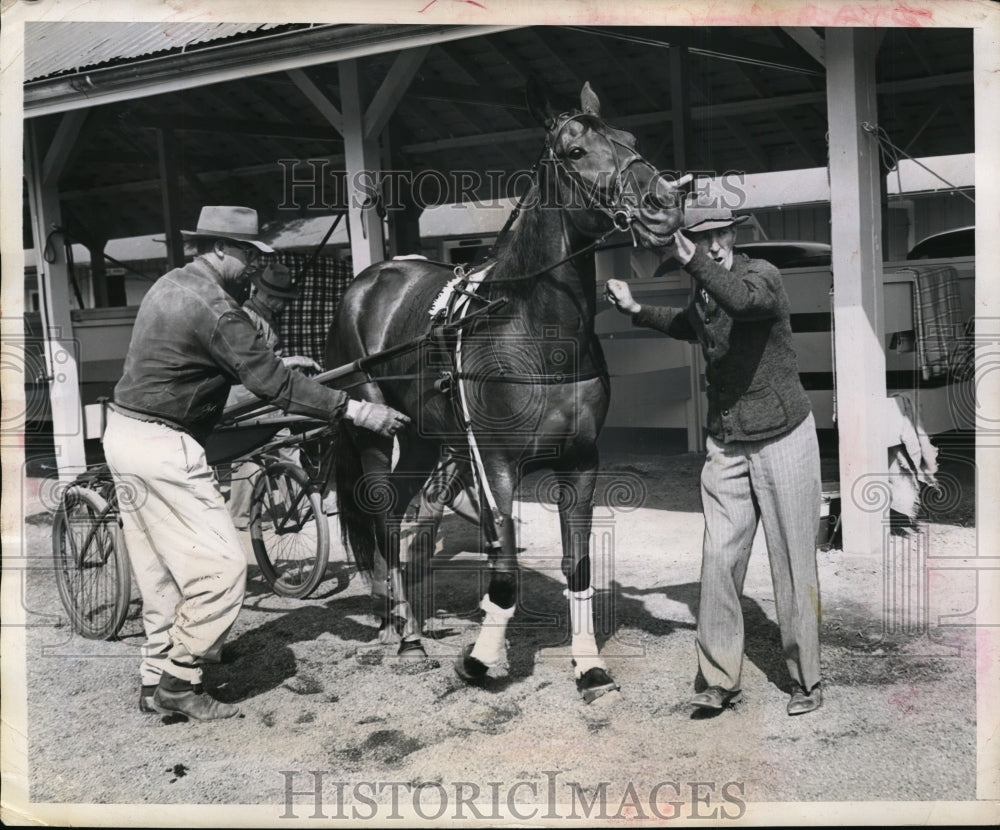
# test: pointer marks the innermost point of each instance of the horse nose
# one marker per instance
(660, 195)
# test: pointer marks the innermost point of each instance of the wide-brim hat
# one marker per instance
(276, 280)
(229, 222)
(698, 219)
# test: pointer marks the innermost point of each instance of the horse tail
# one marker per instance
(357, 527)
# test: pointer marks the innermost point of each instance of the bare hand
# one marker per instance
(619, 295)
(684, 248)
(377, 417)
(301, 362)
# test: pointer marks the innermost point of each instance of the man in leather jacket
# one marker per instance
(191, 342)
(763, 455)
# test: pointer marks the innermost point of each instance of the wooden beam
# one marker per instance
(468, 95)
(859, 343)
(755, 105)
(959, 118)
(715, 45)
(63, 144)
(756, 81)
(315, 46)
(514, 60)
(925, 84)
(810, 40)
(230, 126)
(393, 88)
(61, 353)
(318, 98)
(680, 108)
(335, 162)
(558, 55)
(167, 153)
(650, 90)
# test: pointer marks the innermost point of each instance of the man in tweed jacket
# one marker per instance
(763, 457)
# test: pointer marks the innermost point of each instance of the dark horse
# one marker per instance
(523, 387)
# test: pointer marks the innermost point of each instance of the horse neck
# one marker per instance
(562, 296)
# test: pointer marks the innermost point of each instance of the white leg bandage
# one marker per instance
(490, 642)
(581, 615)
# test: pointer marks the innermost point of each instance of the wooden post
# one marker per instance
(858, 292)
(680, 107)
(61, 354)
(680, 123)
(361, 162)
(166, 148)
(404, 222)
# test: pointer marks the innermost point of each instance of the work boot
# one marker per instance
(176, 696)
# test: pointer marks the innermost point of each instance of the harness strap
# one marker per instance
(478, 470)
(550, 380)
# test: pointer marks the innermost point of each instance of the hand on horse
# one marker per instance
(301, 363)
(619, 295)
(377, 417)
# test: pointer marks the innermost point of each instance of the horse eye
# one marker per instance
(576, 153)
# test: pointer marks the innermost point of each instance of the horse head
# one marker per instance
(606, 181)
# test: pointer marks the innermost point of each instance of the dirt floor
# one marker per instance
(319, 692)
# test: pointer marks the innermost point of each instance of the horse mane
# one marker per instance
(519, 253)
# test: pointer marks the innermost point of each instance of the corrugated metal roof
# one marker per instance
(54, 48)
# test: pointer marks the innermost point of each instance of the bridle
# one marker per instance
(622, 211)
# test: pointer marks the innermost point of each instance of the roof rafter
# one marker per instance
(809, 39)
(318, 98)
(719, 45)
(753, 77)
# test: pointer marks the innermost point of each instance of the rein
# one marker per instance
(622, 215)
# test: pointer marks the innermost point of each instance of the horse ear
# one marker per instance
(589, 102)
(539, 104)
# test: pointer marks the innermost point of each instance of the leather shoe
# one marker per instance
(146, 700)
(193, 703)
(802, 701)
(715, 697)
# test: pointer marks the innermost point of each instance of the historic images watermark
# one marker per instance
(319, 794)
(35, 363)
(316, 184)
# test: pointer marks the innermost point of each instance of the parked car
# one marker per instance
(953, 243)
(788, 254)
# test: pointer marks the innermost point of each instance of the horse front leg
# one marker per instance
(576, 513)
(501, 597)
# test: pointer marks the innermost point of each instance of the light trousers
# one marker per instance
(777, 482)
(186, 555)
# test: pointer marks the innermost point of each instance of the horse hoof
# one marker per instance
(469, 668)
(411, 648)
(595, 683)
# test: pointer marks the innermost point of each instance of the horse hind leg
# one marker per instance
(388, 589)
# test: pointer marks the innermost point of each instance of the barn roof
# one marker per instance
(58, 47)
(757, 103)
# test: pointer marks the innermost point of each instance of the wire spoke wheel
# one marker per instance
(92, 571)
(288, 530)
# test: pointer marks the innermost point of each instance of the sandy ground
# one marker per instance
(318, 691)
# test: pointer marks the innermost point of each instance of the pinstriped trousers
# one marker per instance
(776, 481)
